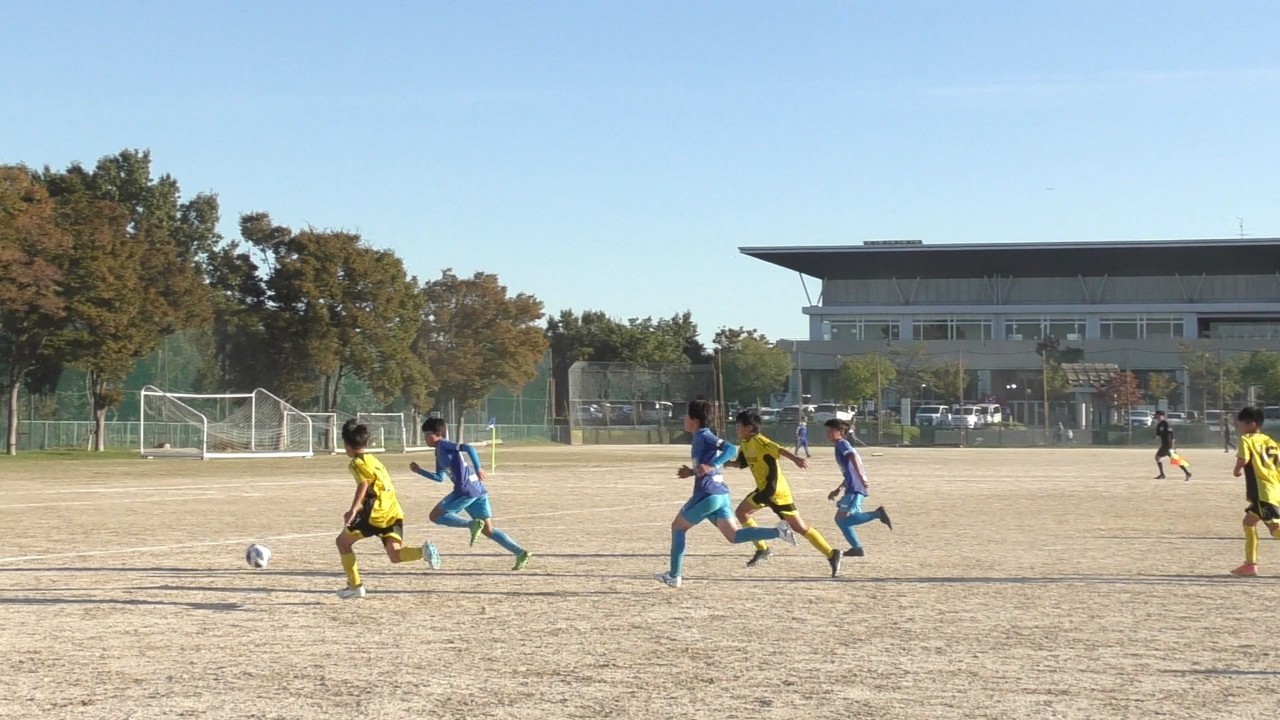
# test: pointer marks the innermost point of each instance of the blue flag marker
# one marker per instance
(493, 423)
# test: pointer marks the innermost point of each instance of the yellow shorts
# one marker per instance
(780, 502)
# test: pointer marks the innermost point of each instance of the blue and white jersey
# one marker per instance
(853, 480)
(451, 465)
(710, 450)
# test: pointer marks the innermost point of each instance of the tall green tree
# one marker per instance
(752, 367)
(136, 278)
(1160, 386)
(34, 252)
(336, 308)
(913, 369)
(864, 377)
(1214, 380)
(951, 381)
(476, 337)
(1122, 390)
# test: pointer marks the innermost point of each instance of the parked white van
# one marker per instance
(933, 416)
(991, 413)
(967, 416)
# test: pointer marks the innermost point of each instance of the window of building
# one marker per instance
(865, 329)
(951, 328)
(1140, 327)
(1039, 328)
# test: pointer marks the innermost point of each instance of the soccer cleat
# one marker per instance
(351, 593)
(764, 554)
(476, 527)
(1246, 570)
(1161, 476)
(668, 580)
(522, 560)
(431, 555)
(835, 561)
(786, 534)
(884, 517)
(1188, 477)
(855, 552)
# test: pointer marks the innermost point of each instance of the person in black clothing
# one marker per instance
(1165, 432)
(1227, 445)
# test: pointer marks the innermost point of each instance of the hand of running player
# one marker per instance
(684, 472)
(415, 466)
(347, 517)
(482, 475)
(800, 462)
(834, 494)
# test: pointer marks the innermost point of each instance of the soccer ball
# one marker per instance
(257, 556)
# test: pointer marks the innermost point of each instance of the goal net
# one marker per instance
(325, 430)
(227, 425)
(394, 432)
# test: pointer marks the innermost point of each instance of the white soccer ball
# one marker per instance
(257, 556)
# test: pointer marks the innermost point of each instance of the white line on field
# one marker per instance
(162, 488)
(204, 496)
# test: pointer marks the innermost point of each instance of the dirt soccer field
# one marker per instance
(1016, 583)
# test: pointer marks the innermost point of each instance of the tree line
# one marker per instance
(102, 263)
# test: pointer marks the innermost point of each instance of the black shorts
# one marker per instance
(1266, 511)
(362, 527)
(1164, 451)
(784, 511)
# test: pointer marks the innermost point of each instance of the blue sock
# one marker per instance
(452, 520)
(677, 552)
(846, 525)
(752, 534)
(507, 543)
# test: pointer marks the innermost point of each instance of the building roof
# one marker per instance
(1128, 258)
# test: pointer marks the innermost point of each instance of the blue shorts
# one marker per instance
(712, 507)
(477, 507)
(851, 503)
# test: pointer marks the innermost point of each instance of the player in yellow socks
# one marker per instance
(375, 512)
(1258, 460)
(762, 455)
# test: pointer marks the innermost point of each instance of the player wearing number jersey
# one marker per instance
(710, 498)
(375, 512)
(1258, 460)
(469, 492)
(762, 455)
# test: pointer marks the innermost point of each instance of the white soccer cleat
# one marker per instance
(351, 593)
(668, 580)
(786, 534)
(431, 555)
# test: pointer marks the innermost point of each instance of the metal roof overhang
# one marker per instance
(1029, 260)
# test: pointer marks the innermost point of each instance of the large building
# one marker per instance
(1137, 305)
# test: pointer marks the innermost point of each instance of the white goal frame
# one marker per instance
(332, 420)
(408, 431)
(203, 451)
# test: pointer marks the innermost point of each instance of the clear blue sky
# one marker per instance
(604, 154)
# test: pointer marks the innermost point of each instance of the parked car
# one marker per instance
(655, 412)
(990, 413)
(770, 415)
(827, 411)
(1140, 418)
(967, 416)
(934, 416)
(1176, 418)
(793, 413)
(1213, 417)
(1271, 412)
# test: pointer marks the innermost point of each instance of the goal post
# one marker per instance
(394, 432)
(222, 426)
(324, 428)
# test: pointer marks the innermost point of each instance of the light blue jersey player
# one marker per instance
(469, 492)
(853, 485)
(710, 499)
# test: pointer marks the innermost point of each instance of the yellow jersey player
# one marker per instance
(1258, 460)
(375, 512)
(762, 455)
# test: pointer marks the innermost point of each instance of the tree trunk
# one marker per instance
(12, 444)
(99, 429)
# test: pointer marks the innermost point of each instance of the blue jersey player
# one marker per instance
(469, 492)
(802, 438)
(710, 499)
(854, 486)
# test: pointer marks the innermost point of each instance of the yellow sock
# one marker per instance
(349, 567)
(759, 544)
(817, 541)
(1251, 545)
(410, 554)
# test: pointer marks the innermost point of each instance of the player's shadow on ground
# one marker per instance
(213, 607)
(1233, 538)
(1229, 673)
(423, 591)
